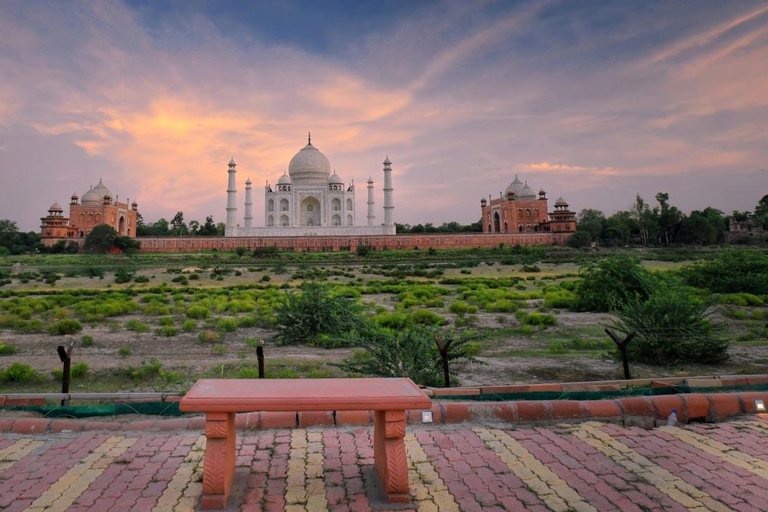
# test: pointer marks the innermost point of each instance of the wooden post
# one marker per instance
(66, 358)
(260, 358)
(444, 356)
(622, 344)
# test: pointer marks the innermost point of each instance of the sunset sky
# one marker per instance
(593, 101)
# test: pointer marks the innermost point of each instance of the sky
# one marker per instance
(595, 101)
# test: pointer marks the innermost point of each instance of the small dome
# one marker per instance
(386, 161)
(309, 166)
(370, 179)
(55, 208)
(232, 162)
(95, 196)
(542, 192)
(527, 193)
(284, 180)
(74, 195)
(335, 179)
(248, 181)
(516, 186)
(561, 202)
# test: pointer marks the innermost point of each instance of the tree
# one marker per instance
(669, 219)
(647, 219)
(194, 227)
(8, 233)
(592, 222)
(695, 229)
(209, 228)
(177, 224)
(617, 230)
(221, 228)
(101, 239)
(607, 284)
(761, 211)
(127, 244)
(580, 239)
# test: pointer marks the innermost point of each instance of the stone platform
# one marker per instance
(581, 466)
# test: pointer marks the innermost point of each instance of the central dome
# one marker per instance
(95, 196)
(309, 166)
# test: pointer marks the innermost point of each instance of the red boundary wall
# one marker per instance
(351, 243)
(643, 411)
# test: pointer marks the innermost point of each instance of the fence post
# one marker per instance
(622, 344)
(444, 356)
(65, 354)
(260, 358)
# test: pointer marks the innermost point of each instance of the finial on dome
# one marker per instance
(309, 138)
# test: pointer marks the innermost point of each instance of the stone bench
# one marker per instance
(221, 399)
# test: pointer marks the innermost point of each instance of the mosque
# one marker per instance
(521, 210)
(308, 201)
(95, 207)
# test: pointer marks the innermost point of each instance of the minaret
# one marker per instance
(231, 199)
(371, 214)
(389, 205)
(248, 204)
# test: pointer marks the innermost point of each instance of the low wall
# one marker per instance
(351, 243)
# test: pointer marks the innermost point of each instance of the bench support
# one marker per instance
(389, 454)
(219, 464)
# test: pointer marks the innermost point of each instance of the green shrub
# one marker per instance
(611, 282)
(87, 341)
(209, 337)
(141, 279)
(227, 324)
(559, 300)
(198, 312)
(124, 351)
(219, 350)
(501, 306)
(18, 372)
(535, 318)
(671, 326)
(732, 272)
(167, 330)
(265, 278)
(78, 370)
(124, 275)
(740, 299)
(6, 349)
(136, 326)
(148, 370)
(66, 326)
(189, 325)
(166, 321)
(458, 307)
(427, 317)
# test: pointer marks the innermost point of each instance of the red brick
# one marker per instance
(545, 387)
(493, 411)
(696, 406)
(456, 412)
(660, 384)
(174, 424)
(636, 406)
(601, 408)
(533, 410)
(197, 423)
(5, 425)
(749, 397)
(241, 420)
(734, 381)
(102, 425)
(724, 405)
(13, 402)
(315, 418)
(251, 420)
(30, 425)
(173, 398)
(503, 389)
(757, 380)
(455, 391)
(69, 425)
(354, 418)
(565, 409)
(276, 419)
(665, 404)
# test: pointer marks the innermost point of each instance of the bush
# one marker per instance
(227, 324)
(87, 341)
(124, 352)
(123, 275)
(188, 325)
(580, 239)
(671, 326)
(458, 307)
(209, 337)
(66, 326)
(302, 317)
(733, 272)
(147, 370)
(198, 312)
(167, 330)
(407, 353)
(78, 370)
(18, 372)
(609, 283)
(7, 350)
(136, 326)
(141, 279)
(539, 319)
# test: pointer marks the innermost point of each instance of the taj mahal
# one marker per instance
(308, 201)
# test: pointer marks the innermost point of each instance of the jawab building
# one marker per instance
(309, 201)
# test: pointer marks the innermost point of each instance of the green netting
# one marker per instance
(87, 411)
(596, 395)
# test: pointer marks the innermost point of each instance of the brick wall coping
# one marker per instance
(643, 411)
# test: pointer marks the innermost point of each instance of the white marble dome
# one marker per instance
(284, 180)
(309, 166)
(527, 193)
(96, 195)
(516, 187)
(335, 179)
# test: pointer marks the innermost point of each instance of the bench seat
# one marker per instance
(221, 399)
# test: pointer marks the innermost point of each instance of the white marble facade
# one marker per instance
(309, 200)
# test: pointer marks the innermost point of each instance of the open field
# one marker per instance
(177, 318)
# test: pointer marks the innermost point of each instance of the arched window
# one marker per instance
(528, 213)
(271, 205)
(349, 220)
(506, 228)
(283, 205)
(536, 212)
(336, 220)
(536, 229)
(349, 204)
(97, 218)
(336, 204)
(283, 220)
(310, 207)
(270, 220)
(520, 229)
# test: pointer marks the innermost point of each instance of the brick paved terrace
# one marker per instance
(579, 466)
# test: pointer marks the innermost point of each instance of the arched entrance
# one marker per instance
(121, 226)
(496, 222)
(309, 212)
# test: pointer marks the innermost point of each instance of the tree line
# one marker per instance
(663, 224)
(178, 227)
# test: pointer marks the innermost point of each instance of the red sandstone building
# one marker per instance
(96, 207)
(520, 210)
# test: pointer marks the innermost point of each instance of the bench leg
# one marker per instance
(389, 454)
(219, 465)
